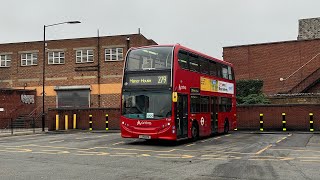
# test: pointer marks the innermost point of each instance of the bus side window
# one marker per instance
(183, 60)
(195, 104)
(204, 65)
(194, 62)
(225, 104)
(219, 70)
(213, 68)
(230, 73)
(224, 71)
(204, 104)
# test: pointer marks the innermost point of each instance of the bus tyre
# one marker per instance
(226, 127)
(194, 131)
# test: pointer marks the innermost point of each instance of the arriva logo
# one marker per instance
(144, 123)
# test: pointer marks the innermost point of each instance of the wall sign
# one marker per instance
(27, 99)
(1, 109)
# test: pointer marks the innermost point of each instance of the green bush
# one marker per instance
(250, 92)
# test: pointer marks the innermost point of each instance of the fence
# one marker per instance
(15, 126)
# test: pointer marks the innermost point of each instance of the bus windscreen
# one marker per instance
(152, 58)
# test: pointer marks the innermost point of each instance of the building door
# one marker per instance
(214, 114)
(182, 116)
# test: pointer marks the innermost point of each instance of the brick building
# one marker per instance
(79, 73)
(285, 67)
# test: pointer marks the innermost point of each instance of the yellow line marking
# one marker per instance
(120, 155)
(312, 157)
(184, 156)
(281, 139)
(190, 145)
(215, 158)
(16, 150)
(102, 136)
(145, 155)
(127, 153)
(56, 141)
(118, 143)
(310, 160)
(264, 149)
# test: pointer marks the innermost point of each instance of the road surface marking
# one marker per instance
(118, 143)
(56, 141)
(264, 149)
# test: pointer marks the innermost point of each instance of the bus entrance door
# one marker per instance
(182, 116)
(213, 112)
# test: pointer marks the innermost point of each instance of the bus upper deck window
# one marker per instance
(183, 60)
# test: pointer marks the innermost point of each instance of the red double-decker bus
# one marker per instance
(171, 92)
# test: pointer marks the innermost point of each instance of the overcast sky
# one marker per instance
(203, 25)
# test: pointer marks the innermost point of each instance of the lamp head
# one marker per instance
(73, 22)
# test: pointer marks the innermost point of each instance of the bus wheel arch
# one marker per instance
(226, 126)
(195, 130)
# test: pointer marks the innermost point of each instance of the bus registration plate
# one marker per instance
(144, 137)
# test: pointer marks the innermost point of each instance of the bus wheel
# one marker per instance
(226, 127)
(194, 131)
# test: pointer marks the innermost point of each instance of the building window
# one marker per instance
(73, 98)
(84, 56)
(29, 59)
(56, 57)
(114, 54)
(5, 60)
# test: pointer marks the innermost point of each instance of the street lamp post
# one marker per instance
(43, 66)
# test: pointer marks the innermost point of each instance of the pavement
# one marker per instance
(85, 155)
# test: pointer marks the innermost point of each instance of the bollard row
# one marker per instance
(66, 122)
(284, 122)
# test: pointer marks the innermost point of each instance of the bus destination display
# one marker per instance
(151, 80)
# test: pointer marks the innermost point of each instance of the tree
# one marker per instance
(250, 92)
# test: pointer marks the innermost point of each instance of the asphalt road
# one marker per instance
(240, 155)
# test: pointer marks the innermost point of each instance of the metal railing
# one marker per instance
(306, 82)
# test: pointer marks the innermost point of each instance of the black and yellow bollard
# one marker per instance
(90, 122)
(311, 122)
(107, 122)
(261, 122)
(284, 122)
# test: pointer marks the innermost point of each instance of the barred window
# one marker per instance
(29, 59)
(114, 54)
(56, 57)
(5, 60)
(84, 56)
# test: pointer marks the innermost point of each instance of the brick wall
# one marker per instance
(10, 101)
(297, 117)
(82, 116)
(68, 74)
(272, 61)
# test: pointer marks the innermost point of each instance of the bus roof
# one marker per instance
(188, 49)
